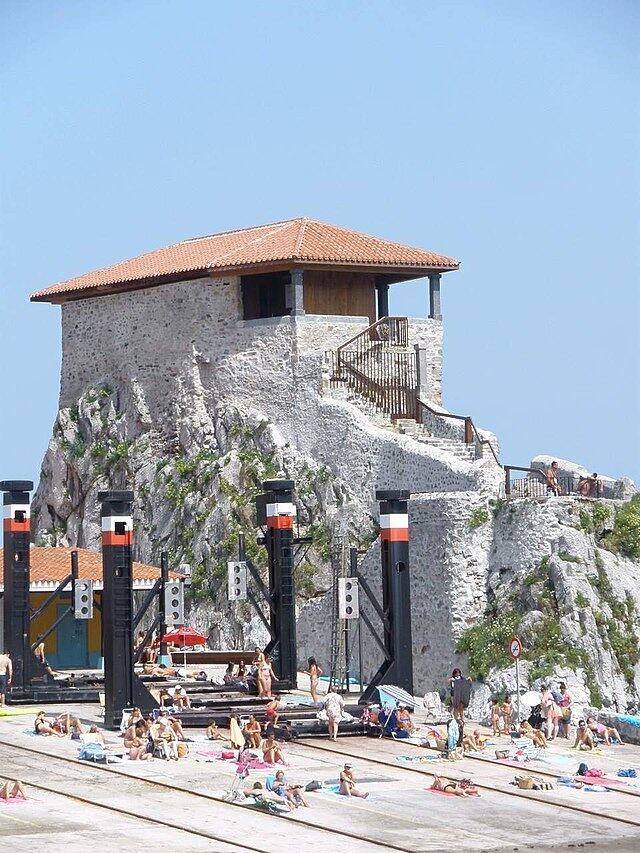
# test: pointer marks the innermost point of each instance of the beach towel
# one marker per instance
(453, 735)
(630, 773)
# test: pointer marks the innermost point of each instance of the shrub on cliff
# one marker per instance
(486, 644)
(625, 538)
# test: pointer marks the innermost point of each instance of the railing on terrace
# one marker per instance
(534, 485)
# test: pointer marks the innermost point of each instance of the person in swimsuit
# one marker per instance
(584, 738)
(537, 736)
(6, 673)
(44, 663)
(253, 732)
(262, 675)
(348, 784)
(314, 672)
(272, 712)
(271, 751)
(495, 717)
(212, 731)
(551, 478)
(605, 733)
(565, 710)
(507, 713)
(464, 788)
(42, 726)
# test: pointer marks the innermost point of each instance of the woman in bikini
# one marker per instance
(262, 675)
(271, 751)
(253, 732)
(464, 788)
(605, 733)
(42, 726)
(537, 736)
(314, 672)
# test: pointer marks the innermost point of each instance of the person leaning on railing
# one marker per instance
(589, 486)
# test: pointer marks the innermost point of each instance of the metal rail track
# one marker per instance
(515, 793)
(78, 765)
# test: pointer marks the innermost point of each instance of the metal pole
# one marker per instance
(518, 688)
(360, 654)
(346, 654)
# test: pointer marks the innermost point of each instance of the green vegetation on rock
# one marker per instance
(478, 517)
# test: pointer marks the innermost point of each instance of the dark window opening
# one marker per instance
(120, 528)
(265, 295)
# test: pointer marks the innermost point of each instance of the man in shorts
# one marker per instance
(6, 672)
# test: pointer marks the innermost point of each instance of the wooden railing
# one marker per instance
(386, 378)
(378, 365)
(471, 434)
(388, 331)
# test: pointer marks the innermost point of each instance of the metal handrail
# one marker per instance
(471, 434)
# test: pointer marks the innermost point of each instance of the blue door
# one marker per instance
(72, 642)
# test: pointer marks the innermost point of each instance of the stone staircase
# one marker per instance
(404, 426)
(466, 452)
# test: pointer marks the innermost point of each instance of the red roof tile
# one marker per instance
(51, 565)
(289, 243)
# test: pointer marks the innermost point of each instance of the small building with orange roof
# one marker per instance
(75, 642)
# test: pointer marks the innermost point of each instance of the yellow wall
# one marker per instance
(46, 619)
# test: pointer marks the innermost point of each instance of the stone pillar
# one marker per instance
(422, 377)
(383, 299)
(435, 311)
(295, 300)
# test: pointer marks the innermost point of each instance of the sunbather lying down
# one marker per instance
(463, 788)
(265, 798)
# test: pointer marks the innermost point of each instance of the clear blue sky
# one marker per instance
(502, 133)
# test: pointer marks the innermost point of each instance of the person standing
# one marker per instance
(551, 477)
(565, 710)
(6, 673)
(314, 672)
(334, 706)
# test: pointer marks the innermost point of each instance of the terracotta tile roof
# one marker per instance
(51, 565)
(289, 243)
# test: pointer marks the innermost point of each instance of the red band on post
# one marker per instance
(13, 526)
(394, 534)
(110, 538)
(280, 522)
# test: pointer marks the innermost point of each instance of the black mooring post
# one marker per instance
(397, 669)
(164, 578)
(122, 688)
(276, 510)
(16, 529)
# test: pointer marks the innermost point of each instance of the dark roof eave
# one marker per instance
(57, 298)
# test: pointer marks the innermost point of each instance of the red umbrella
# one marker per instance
(184, 637)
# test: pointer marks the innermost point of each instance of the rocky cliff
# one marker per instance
(482, 568)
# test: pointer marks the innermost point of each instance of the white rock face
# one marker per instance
(166, 391)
